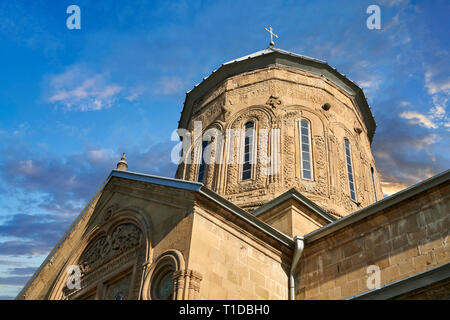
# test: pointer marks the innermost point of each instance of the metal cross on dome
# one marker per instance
(271, 35)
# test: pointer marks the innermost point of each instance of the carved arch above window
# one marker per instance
(122, 238)
(167, 279)
(110, 259)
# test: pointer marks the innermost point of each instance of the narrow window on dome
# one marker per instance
(351, 181)
(373, 182)
(305, 149)
(201, 169)
(248, 150)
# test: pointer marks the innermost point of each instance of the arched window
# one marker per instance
(248, 150)
(351, 181)
(162, 284)
(305, 147)
(201, 168)
(373, 183)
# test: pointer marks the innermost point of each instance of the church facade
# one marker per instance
(276, 196)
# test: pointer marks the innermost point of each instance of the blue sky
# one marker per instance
(72, 101)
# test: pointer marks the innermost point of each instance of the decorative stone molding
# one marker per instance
(274, 101)
(186, 284)
(123, 238)
(109, 212)
(278, 103)
(171, 260)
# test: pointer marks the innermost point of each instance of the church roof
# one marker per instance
(320, 233)
(294, 194)
(211, 195)
(404, 195)
(275, 56)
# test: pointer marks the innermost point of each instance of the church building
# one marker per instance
(276, 196)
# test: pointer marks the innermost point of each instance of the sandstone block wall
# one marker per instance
(403, 240)
(233, 263)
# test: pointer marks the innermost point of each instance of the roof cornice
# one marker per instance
(204, 191)
(378, 206)
(406, 285)
(294, 194)
(277, 57)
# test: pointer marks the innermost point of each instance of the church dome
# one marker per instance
(274, 120)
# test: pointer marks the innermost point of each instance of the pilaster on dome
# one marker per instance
(122, 165)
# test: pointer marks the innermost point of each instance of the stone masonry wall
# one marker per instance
(411, 237)
(233, 263)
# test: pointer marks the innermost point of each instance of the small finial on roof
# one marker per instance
(271, 36)
(122, 164)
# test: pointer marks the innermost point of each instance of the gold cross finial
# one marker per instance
(271, 35)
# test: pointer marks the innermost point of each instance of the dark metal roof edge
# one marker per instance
(360, 98)
(293, 193)
(174, 183)
(169, 182)
(378, 206)
(199, 187)
(405, 285)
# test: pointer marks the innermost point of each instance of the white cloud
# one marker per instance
(169, 85)
(99, 155)
(389, 188)
(79, 89)
(135, 93)
(28, 167)
(405, 103)
(437, 112)
(418, 118)
(436, 83)
(392, 3)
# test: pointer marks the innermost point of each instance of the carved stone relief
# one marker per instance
(320, 160)
(273, 101)
(259, 180)
(124, 237)
(284, 99)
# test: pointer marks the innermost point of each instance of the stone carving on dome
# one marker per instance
(288, 151)
(211, 112)
(259, 180)
(273, 101)
(209, 179)
(320, 160)
(123, 238)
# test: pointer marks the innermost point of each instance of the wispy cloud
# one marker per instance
(404, 156)
(169, 85)
(80, 89)
(418, 118)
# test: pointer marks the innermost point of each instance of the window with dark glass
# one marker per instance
(201, 169)
(350, 170)
(305, 144)
(162, 285)
(248, 150)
